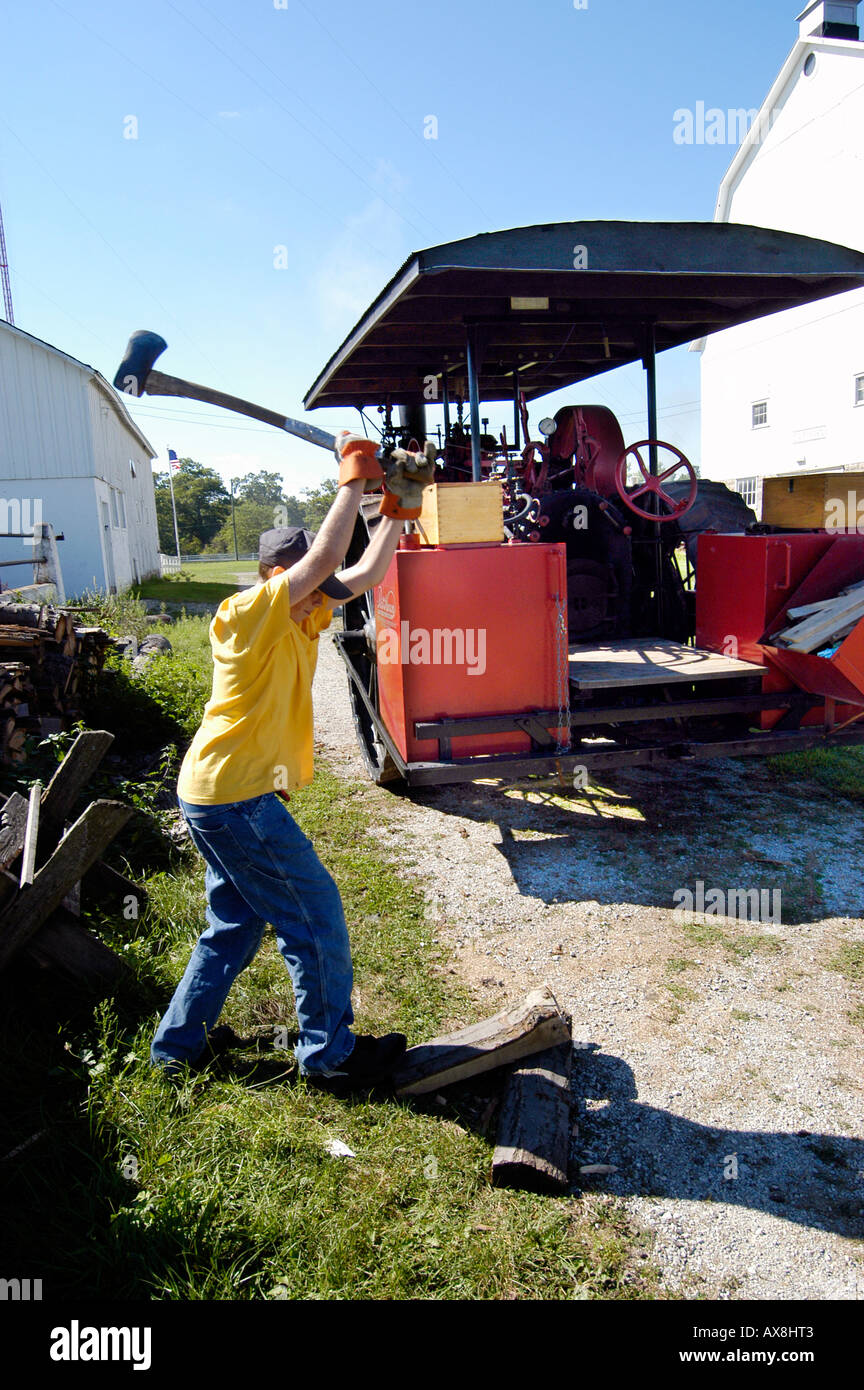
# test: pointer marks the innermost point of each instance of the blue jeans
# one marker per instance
(261, 868)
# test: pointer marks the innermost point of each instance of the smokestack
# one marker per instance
(829, 19)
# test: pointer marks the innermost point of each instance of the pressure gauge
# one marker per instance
(547, 427)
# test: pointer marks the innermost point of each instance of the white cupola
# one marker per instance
(829, 19)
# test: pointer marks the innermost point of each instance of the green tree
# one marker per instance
(260, 487)
(250, 518)
(317, 502)
(202, 506)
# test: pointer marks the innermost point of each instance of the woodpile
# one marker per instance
(816, 626)
(47, 664)
(533, 1040)
(45, 857)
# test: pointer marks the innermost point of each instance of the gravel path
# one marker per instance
(718, 1067)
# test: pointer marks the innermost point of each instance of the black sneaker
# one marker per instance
(371, 1062)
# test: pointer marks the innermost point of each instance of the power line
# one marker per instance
(93, 227)
(250, 154)
(382, 96)
(290, 113)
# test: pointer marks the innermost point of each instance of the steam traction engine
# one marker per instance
(568, 601)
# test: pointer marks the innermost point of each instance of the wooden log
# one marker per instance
(13, 828)
(531, 1026)
(30, 615)
(66, 948)
(534, 1125)
(72, 776)
(86, 841)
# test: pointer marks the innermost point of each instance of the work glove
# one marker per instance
(356, 456)
(406, 475)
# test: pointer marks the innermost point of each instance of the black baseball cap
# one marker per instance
(285, 545)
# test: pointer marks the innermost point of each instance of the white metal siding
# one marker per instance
(66, 444)
(44, 426)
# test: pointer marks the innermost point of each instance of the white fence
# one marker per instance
(169, 563)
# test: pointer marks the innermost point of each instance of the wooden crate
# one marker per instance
(813, 500)
(460, 513)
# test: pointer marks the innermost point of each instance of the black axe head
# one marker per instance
(141, 352)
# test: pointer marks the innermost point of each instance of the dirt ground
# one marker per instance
(719, 1060)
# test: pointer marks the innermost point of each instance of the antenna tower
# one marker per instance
(4, 275)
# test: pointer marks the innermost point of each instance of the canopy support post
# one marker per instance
(445, 401)
(649, 361)
(474, 401)
(516, 420)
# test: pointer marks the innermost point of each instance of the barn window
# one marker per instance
(859, 390)
(748, 488)
(760, 413)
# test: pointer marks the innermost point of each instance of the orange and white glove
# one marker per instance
(356, 456)
(406, 476)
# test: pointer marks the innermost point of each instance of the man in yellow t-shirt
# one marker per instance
(255, 742)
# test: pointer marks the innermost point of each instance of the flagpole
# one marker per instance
(171, 467)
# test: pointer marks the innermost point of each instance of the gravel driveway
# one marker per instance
(718, 1067)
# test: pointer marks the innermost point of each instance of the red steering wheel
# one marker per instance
(653, 483)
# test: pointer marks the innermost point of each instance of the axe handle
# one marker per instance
(158, 384)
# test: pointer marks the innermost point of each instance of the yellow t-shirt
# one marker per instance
(256, 734)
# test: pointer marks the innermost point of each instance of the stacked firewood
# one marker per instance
(45, 857)
(47, 664)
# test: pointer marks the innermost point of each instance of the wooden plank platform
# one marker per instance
(651, 661)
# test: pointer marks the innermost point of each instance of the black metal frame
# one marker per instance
(686, 747)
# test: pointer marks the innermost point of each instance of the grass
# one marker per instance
(837, 770)
(179, 592)
(226, 1189)
(198, 583)
(849, 961)
(709, 934)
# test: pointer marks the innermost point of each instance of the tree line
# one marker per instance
(203, 502)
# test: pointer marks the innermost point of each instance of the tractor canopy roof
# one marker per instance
(562, 302)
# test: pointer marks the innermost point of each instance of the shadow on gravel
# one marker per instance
(811, 1179)
(642, 835)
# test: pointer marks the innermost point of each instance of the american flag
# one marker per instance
(174, 461)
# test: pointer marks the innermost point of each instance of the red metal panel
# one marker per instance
(470, 630)
(744, 582)
(745, 587)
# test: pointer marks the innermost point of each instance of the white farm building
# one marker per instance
(72, 457)
(784, 396)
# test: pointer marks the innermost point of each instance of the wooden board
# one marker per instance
(531, 1026)
(534, 1126)
(88, 838)
(652, 661)
(72, 776)
(66, 948)
(462, 513)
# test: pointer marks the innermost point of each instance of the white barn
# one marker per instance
(784, 396)
(71, 456)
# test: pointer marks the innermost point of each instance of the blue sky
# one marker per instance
(288, 123)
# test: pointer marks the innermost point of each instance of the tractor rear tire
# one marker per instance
(716, 508)
(359, 619)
